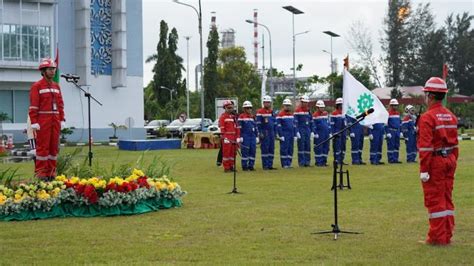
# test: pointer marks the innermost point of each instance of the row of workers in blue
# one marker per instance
(300, 125)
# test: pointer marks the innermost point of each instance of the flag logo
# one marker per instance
(365, 102)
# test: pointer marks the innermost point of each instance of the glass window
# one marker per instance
(22, 103)
(6, 102)
(11, 42)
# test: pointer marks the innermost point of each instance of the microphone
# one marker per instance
(366, 113)
(70, 76)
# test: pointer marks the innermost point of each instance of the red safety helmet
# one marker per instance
(435, 84)
(227, 102)
(46, 62)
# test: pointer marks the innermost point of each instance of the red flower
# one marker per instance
(90, 194)
(68, 184)
(112, 186)
(79, 189)
(142, 182)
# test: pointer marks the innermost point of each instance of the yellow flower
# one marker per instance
(55, 192)
(61, 178)
(3, 199)
(18, 198)
(172, 186)
(132, 178)
(42, 195)
(138, 173)
(74, 180)
(83, 182)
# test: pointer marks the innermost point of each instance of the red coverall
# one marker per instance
(230, 131)
(47, 110)
(438, 148)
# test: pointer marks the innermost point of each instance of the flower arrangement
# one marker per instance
(74, 196)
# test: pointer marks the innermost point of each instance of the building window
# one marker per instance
(24, 37)
(15, 104)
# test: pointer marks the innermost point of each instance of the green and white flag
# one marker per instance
(358, 99)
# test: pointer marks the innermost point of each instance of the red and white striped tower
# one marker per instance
(255, 38)
(213, 20)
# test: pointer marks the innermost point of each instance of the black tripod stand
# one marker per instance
(337, 170)
(74, 79)
(234, 188)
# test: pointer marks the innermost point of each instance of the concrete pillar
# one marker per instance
(83, 40)
(119, 43)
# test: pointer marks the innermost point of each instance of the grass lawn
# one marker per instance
(270, 223)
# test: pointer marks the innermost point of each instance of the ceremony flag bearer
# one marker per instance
(338, 122)
(409, 133)
(286, 133)
(230, 134)
(249, 133)
(321, 131)
(392, 131)
(266, 130)
(303, 122)
(438, 148)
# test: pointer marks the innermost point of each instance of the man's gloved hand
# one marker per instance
(282, 138)
(312, 134)
(63, 124)
(257, 139)
(371, 137)
(401, 134)
(352, 135)
(226, 141)
(240, 140)
(295, 138)
(298, 135)
(389, 136)
(35, 126)
(316, 136)
(424, 176)
(330, 135)
(414, 128)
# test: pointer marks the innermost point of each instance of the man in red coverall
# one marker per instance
(438, 148)
(47, 118)
(230, 134)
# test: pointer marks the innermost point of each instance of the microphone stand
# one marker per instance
(87, 94)
(335, 226)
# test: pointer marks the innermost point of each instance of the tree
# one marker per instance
(395, 41)
(167, 72)
(460, 50)
(424, 47)
(361, 41)
(237, 77)
(210, 72)
(175, 65)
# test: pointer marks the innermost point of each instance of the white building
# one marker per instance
(99, 40)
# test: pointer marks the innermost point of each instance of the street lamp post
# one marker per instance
(270, 43)
(187, 75)
(331, 34)
(294, 11)
(199, 14)
(171, 98)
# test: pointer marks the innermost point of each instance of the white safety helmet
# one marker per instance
(287, 102)
(267, 98)
(409, 107)
(393, 102)
(247, 104)
(320, 103)
(339, 101)
(304, 99)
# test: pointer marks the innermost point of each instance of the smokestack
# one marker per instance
(255, 38)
